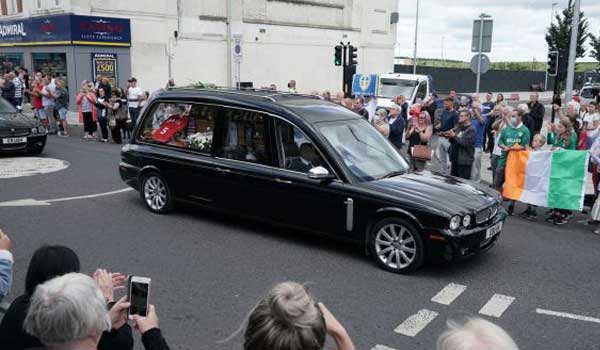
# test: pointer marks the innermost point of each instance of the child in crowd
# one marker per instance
(536, 145)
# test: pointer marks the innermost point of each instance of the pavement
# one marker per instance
(540, 282)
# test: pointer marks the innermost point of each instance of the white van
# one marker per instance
(414, 87)
(589, 93)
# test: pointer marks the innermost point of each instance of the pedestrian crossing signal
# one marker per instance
(553, 63)
(353, 55)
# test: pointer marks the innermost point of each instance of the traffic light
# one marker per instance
(352, 55)
(553, 63)
(338, 55)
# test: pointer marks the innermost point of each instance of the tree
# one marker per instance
(595, 43)
(559, 37)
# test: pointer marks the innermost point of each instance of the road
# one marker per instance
(208, 270)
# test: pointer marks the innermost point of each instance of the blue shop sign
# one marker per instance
(66, 29)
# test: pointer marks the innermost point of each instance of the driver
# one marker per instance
(308, 159)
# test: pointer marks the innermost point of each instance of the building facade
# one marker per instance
(261, 42)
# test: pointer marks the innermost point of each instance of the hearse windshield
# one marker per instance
(363, 149)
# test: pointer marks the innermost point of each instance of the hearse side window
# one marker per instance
(244, 136)
(182, 125)
(296, 151)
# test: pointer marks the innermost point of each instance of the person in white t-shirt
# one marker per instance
(591, 123)
(134, 95)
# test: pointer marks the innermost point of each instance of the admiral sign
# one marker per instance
(66, 29)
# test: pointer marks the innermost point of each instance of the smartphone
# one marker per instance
(138, 295)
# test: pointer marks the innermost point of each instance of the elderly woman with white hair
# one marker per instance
(70, 312)
(475, 334)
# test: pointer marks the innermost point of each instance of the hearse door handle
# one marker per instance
(222, 170)
(287, 182)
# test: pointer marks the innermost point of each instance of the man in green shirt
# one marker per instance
(514, 137)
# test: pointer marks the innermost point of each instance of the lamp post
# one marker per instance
(551, 20)
(572, 52)
(481, 18)
(416, 36)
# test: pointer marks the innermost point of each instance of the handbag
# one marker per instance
(422, 152)
(112, 122)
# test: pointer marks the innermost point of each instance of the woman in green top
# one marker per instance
(566, 137)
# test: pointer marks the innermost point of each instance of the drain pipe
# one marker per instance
(229, 59)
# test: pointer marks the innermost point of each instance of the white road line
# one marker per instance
(30, 202)
(416, 323)
(381, 347)
(450, 292)
(496, 306)
(567, 315)
(90, 195)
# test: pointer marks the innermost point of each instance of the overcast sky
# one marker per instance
(519, 27)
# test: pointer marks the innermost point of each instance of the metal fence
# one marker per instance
(463, 80)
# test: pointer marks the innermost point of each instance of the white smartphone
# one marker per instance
(138, 295)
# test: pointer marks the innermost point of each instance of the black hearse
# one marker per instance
(298, 161)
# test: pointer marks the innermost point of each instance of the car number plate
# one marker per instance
(12, 140)
(494, 230)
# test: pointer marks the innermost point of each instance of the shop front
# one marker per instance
(71, 46)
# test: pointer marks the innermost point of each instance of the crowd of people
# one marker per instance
(64, 309)
(100, 104)
(451, 135)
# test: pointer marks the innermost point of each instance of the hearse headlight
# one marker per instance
(455, 222)
(466, 220)
(38, 130)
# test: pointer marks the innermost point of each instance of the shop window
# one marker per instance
(53, 64)
(12, 7)
(181, 125)
(10, 61)
(244, 136)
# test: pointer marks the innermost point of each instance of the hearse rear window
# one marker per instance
(244, 136)
(181, 125)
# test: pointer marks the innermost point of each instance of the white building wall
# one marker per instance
(282, 39)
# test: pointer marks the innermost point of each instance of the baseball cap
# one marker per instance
(394, 106)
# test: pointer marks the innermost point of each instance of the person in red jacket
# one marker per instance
(36, 101)
(86, 101)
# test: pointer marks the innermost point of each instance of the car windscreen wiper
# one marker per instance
(393, 173)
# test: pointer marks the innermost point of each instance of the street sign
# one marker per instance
(237, 48)
(364, 85)
(486, 41)
(485, 63)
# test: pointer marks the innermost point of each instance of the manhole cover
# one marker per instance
(28, 166)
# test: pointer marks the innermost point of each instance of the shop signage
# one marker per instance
(66, 29)
(105, 64)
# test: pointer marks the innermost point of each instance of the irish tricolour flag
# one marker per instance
(548, 179)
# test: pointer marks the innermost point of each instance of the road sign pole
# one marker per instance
(480, 52)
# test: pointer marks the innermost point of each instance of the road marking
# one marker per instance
(29, 202)
(567, 315)
(29, 166)
(450, 292)
(496, 306)
(381, 347)
(416, 323)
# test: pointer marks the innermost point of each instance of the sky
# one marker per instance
(518, 35)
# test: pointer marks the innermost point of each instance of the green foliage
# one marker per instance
(595, 44)
(559, 37)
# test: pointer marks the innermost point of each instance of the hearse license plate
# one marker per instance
(494, 230)
(12, 140)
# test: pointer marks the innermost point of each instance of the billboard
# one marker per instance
(66, 29)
